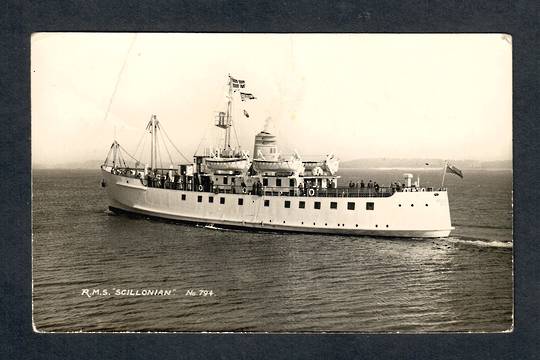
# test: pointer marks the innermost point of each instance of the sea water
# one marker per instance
(97, 271)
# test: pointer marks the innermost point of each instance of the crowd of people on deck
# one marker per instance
(395, 186)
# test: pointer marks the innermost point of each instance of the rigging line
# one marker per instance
(118, 80)
(135, 154)
(236, 136)
(202, 139)
(174, 146)
(127, 153)
(158, 151)
(140, 140)
(166, 149)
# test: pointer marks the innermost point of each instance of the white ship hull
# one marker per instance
(421, 214)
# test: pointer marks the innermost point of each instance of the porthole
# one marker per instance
(356, 225)
(412, 205)
(325, 224)
(313, 223)
(399, 205)
(426, 204)
(386, 225)
(376, 225)
(270, 220)
(302, 223)
(284, 221)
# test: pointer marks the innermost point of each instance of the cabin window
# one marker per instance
(222, 200)
(278, 182)
(370, 206)
(333, 205)
(301, 204)
(199, 198)
(240, 201)
(225, 180)
(350, 206)
(265, 182)
(317, 205)
(266, 203)
(291, 182)
(210, 199)
(287, 204)
(183, 196)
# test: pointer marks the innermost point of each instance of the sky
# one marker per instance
(446, 96)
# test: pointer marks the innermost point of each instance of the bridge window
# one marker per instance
(240, 201)
(225, 180)
(210, 199)
(183, 196)
(287, 204)
(222, 200)
(291, 182)
(199, 198)
(278, 182)
(317, 205)
(370, 206)
(266, 203)
(301, 204)
(350, 206)
(333, 205)
(265, 182)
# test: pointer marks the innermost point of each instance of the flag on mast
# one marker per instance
(237, 83)
(454, 170)
(246, 96)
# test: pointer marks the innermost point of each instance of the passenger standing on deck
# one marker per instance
(362, 185)
(370, 184)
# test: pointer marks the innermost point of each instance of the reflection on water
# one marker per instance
(261, 281)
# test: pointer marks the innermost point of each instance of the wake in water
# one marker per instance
(480, 243)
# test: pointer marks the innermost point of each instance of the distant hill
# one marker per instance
(90, 164)
(358, 163)
(427, 163)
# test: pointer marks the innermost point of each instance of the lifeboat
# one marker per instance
(228, 164)
(292, 165)
(330, 165)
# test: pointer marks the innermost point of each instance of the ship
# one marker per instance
(268, 191)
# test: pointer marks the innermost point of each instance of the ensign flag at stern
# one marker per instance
(454, 170)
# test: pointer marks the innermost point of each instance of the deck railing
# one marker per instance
(272, 191)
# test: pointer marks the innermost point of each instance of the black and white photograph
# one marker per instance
(272, 183)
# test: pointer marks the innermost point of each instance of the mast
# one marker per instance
(152, 126)
(229, 117)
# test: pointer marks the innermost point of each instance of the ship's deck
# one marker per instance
(279, 191)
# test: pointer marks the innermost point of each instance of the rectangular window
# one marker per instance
(287, 204)
(291, 182)
(224, 180)
(199, 198)
(183, 196)
(333, 205)
(210, 199)
(278, 182)
(265, 182)
(301, 204)
(240, 201)
(370, 206)
(317, 205)
(222, 200)
(267, 203)
(350, 206)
